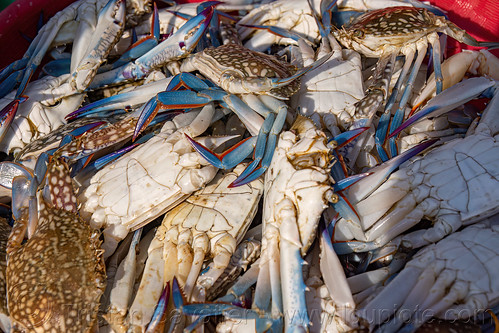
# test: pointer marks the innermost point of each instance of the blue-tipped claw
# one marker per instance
(169, 100)
(159, 316)
(347, 182)
(228, 159)
(264, 148)
(7, 115)
(144, 45)
(202, 21)
(450, 98)
(348, 136)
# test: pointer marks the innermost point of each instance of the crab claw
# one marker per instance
(450, 98)
(177, 46)
(144, 45)
(346, 137)
(228, 159)
(23, 184)
(140, 95)
(169, 100)
(159, 316)
(8, 113)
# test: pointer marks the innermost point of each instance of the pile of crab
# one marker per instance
(276, 166)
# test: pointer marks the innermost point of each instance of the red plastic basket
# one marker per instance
(479, 17)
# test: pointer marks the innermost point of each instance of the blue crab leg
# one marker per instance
(401, 79)
(140, 95)
(178, 45)
(363, 188)
(450, 98)
(437, 65)
(293, 287)
(367, 106)
(15, 66)
(276, 83)
(341, 203)
(169, 100)
(345, 183)
(380, 135)
(264, 149)
(129, 99)
(384, 121)
(10, 82)
(399, 115)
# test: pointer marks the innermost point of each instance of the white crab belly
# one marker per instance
(146, 182)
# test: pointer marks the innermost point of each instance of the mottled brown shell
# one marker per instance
(55, 279)
(245, 63)
(4, 235)
(380, 29)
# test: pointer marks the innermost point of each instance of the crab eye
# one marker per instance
(358, 33)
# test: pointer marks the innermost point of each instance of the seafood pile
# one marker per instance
(250, 166)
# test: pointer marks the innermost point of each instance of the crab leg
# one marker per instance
(121, 292)
(129, 99)
(399, 115)
(335, 279)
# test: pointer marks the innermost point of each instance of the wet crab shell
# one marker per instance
(374, 32)
(56, 278)
(239, 62)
